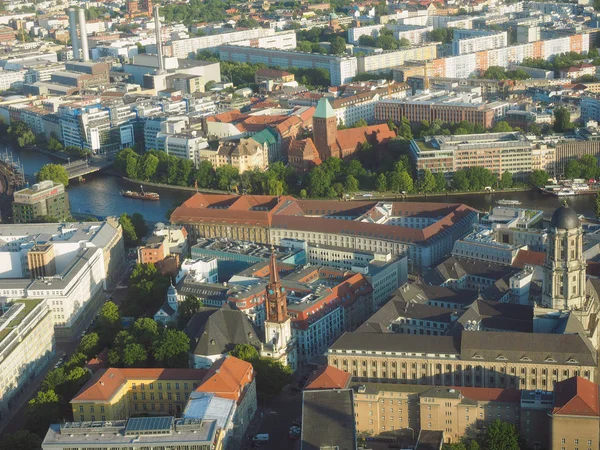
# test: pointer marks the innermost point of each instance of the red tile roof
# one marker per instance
(227, 378)
(529, 257)
(576, 397)
(328, 377)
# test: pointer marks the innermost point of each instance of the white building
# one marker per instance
(185, 48)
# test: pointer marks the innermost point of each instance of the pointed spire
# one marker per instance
(274, 274)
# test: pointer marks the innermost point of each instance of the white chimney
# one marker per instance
(85, 53)
(161, 63)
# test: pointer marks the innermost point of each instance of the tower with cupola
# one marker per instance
(279, 343)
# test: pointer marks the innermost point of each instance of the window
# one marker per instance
(80, 408)
(102, 409)
(563, 441)
(576, 441)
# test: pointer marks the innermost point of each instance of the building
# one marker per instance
(27, 345)
(578, 71)
(116, 394)
(44, 199)
(214, 332)
(137, 433)
(331, 142)
(564, 267)
(341, 68)
(328, 419)
(380, 62)
(473, 41)
(494, 359)
(245, 154)
(398, 228)
(279, 342)
(498, 152)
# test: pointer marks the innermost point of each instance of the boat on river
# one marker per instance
(153, 196)
(505, 202)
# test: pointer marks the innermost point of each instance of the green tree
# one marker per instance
(204, 174)
(502, 127)
(455, 446)
(351, 185)
(360, 123)
(501, 436)
(506, 181)
(589, 167)
(387, 42)
(54, 172)
(20, 440)
(127, 352)
(319, 182)
(171, 349)
(598, 204)
(428, 183)
(271, 377)
(147, 290)
(381, 183)
(440, 181)
(404, 130)
(460, 181)
(146, 166)
(538, 178)
(573, 169)
(41, 411)
(145, 331)
(405, 182)
(304, 46)
(139, 225)
(108, 322)
(21, 134)
(187, 308)
(404, 43)
(226, 177)
(338, 46)
(54, 145)
(562, 119)
(245, 352)
(126, 162)
(303, 193)
(89, 345)
(129, 235)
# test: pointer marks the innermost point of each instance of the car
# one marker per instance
(296, 423)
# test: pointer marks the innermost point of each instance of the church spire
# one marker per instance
(276, 295)
(274, 274)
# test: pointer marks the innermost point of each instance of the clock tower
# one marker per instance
(279, 343)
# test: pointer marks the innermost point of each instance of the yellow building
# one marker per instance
(114, 394)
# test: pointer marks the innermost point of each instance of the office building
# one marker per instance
(44, 199)
(398, 228)
(27, 345)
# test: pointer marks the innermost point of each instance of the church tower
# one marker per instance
(279, 343)
(324, 128)
(564, 268)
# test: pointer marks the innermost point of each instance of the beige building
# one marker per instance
(26, 347)
(40, 260)
(247, 154)
(507, 360)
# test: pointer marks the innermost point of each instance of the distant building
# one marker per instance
(245, 155)
(46, 198)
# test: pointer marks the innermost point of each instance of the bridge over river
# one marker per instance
(79, 168)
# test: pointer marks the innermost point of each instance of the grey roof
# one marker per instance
(382, 320)
(397, 343)
(455, 268)
(499, 316)
(422, 293)
(217, 331)
(430, 440)
(564, 218)
(328, 420)
(536, 348)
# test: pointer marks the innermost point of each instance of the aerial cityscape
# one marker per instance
(300, 225)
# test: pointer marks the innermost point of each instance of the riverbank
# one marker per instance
(177, 188)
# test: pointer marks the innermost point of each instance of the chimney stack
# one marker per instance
(73, 32)
(161, 63)
(85, 54)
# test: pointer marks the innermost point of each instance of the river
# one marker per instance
(100, 195)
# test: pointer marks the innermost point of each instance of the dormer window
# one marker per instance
(550, 359)
(501, 358)
(525, 358)
(476, 356)
(572, 361)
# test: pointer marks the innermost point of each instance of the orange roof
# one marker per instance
(106, 382)
(227, 378)
(529, 257)
(576, 396)
(328, 377)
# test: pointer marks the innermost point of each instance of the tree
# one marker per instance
(381, 183)
(338, 46)
(54, 144)
(501, 436)
(351, 184)
(460, 181)
(538, 178)
(271, 376)
(89, 345)
(562, 119)
(405, 182)
(147, 290)
(226, 177)
(245, 352)
(21, 134)
(127, 352)
(573, 169)
(171, 349)
(598, 204)
(129, 235)
(319, 182)
(21, 440)
(506, 180)
(139, 225)
(360, 123)
(146, 166)
(589, 167)
(126, 162)
(456, 446)
(440, 181)
(405, 131)
(54, 172)
(428, 183)
(41, 411)
(404, 43)
(108, 322)
(502, 127)
(187, 308)
(145, 331)
(304, 46)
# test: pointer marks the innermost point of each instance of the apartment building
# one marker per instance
(380, 62)
(473, 41)
(27, 345)
(44, 199)
(398, 228)
(245, 154)
(185, 48)
(498, 152)
(341, 68)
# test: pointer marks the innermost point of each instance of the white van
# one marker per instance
(261, 437)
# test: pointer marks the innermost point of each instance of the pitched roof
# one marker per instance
(576, 396)
(324, 109)
(106, 382)
(227, 378)
(529, 257)
(328, 377)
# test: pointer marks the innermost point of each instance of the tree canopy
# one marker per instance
(54, 172)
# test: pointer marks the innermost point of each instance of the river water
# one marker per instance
(100, 195)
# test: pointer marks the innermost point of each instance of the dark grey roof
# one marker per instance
(217, 331)
(398, 343)
(422, 293)
(382, 320)
(455, 268)
(564, 218)
(500, 316)
(328, 420)
(430, 440)
(536, 348)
